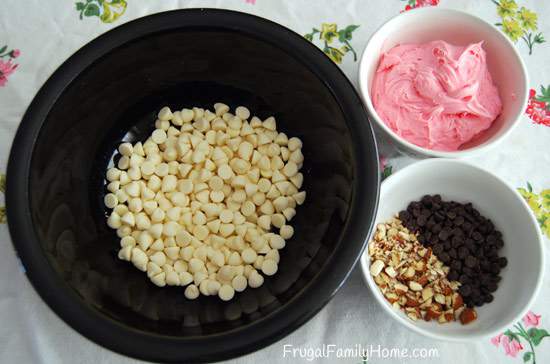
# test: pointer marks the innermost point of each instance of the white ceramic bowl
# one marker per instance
(427, 24)
(523, 246)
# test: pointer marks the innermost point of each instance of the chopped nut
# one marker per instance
(415, 286)
(427, 293)
(372, 248)
(411, 302)
(395, 259)
(379, 281)
(411, 277)
(392, 232)
(457, 301)
(427, 303)
(410, 272)
(468, 315)
(458, 312)
(432, 314)
(428, 254)
(439, 298)
(392, 297)
(404, 235)
(390, 271)
(400, 288)
(376, 267)
(381, 231)
(423, 280)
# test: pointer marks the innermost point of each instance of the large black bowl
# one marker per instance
(110, 91)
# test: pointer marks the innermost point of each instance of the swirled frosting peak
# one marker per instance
(436, 95)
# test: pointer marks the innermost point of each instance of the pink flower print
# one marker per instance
(6, 69)
(422, 3)
(496, 340)
(531, 319)
(511, 347)
(15, 53)
(511, 340)
(538, 107)
(413, 4)
(383, 162)
(253, 2)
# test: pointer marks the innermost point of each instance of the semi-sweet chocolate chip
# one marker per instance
(461, 238)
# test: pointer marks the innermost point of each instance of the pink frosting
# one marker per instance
(436, 95)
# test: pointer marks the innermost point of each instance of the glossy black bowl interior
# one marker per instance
(110, 91)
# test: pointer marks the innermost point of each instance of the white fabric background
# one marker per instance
(48, 32)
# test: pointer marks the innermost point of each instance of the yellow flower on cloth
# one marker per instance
(533, 202)
(512, 28)
(519, 24)
(329, 31)
(545, 194)
(106, 10)
(545, 226)
(528, 18)
(335, 54)
(112, 10)
(329, 34)
(540, 204)
(507, 8)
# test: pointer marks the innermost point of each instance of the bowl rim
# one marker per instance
(498, 328)
(118, 337)
(364, 88)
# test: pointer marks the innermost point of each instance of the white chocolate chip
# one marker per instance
(195, 204)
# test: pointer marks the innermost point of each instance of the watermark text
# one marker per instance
(361, 352)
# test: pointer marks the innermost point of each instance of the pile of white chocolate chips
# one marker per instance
(205, 202)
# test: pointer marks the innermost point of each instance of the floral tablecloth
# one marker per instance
(36, 36)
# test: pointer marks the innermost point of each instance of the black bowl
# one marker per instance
(110, 91)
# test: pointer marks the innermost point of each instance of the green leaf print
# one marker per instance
(328, 34)
(344, 35)
(537, 335)
(92, 10)
(387, 172)
(511, 335)
(544, 94)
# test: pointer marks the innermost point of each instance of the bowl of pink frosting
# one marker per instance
(443, 83)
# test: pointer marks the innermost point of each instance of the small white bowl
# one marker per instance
(427, 24)
(523, 245)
